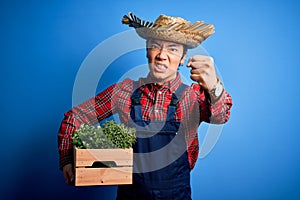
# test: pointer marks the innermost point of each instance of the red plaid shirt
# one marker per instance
(193, 108)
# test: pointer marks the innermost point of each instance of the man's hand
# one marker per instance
(203, 71)
(68, 171)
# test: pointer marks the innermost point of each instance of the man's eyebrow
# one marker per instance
(173, 45)
(168, 45)
(154, 42)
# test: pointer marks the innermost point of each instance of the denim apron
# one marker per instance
(161, 166)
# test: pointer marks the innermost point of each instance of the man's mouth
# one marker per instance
(160, 67)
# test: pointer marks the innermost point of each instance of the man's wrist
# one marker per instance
(66, 160)
(217, 91)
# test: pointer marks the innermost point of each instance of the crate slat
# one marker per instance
(86, 157)
(87, 176)
(103, 176)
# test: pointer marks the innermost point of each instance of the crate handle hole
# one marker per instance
(103, 164)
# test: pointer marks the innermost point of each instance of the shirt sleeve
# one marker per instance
(220, 109)
(217, 112)
(89, 112)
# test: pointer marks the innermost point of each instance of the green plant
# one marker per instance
(110, 135)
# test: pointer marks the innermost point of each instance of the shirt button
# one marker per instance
(159, 92)
(156, 111)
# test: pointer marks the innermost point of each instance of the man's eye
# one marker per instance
(154, 46)
(173, 49)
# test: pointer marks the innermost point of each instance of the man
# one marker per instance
(165, 112)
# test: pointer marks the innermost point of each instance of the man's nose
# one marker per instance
(162, 54)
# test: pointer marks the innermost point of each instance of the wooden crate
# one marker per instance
(87, 175)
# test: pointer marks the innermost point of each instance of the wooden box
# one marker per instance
(103, 166)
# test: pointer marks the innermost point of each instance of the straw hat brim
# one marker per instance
(169, 35)
(174, 29)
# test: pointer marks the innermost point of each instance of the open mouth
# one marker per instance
(160, 67)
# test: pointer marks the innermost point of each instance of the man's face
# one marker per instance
(164, 59)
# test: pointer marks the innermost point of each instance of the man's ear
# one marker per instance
(147, 49)
(147, 53)
(182, 59)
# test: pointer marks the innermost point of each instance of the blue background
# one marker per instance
(256, 48)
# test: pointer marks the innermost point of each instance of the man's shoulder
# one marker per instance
(195, 87)
(192, 89)
(126, 84)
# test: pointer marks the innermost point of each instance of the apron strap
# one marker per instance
(174, 101)
(136, 106)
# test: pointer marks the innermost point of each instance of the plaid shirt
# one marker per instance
(193, 108)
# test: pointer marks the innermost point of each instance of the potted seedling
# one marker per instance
(103, 154)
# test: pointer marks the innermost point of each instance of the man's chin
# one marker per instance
(157, 77)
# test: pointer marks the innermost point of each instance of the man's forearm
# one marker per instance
(220, 109)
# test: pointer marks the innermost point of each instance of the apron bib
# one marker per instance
(161, 167)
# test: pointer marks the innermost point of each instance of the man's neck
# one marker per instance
(160, 82)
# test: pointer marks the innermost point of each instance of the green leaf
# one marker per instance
(111, 135)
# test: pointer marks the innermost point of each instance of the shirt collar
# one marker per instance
(172, 85)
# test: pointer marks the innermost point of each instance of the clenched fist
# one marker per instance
(203, 71)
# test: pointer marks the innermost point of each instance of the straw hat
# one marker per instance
(174, 29)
